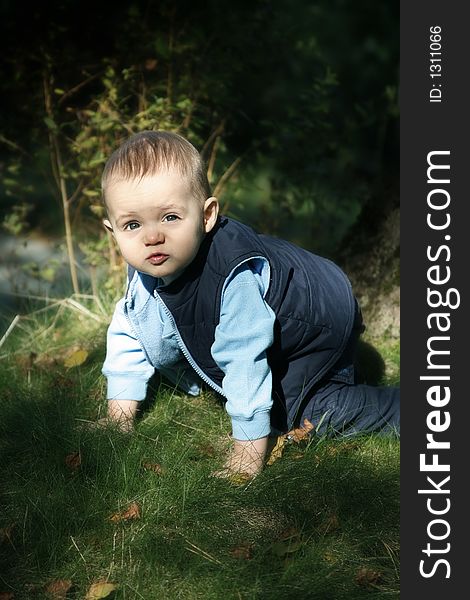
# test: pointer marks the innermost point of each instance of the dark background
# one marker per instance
(306, 93)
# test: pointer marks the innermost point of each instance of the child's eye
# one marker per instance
(170, 218)
(132, 226)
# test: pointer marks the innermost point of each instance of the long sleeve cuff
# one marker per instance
(252, 429)
(126, 388)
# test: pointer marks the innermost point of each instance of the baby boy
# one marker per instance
(270, 327)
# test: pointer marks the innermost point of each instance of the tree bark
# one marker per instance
(370, 255)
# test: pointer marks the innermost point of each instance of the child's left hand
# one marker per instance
(245, 458)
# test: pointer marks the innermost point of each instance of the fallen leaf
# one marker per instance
(58, 589)
(73, 461)
(243, 551)
(132, 512)
(300, 433)
(367, 577)
(75, 358)
(202, 452)
(7, 595)
(277, 451)
(336, 448)
(5, 533)
(99, 590)
(206, 450)
(155, 467)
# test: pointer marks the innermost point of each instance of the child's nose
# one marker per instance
(153, 236)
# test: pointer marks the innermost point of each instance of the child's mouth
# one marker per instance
(157, 259)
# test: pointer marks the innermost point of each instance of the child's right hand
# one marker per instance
(121, 414)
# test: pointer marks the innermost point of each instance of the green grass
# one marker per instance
(321, 522)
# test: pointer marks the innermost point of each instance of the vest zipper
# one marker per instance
(185, 350)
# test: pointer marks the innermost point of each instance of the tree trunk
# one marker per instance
(370, 255)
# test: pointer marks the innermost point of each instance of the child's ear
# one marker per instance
(108, 225)
(211, 212)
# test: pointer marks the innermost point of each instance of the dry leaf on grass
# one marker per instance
(101, 589)
(300, 433)
(334, 449)
(277, 451)
(7, 596)
(206, 451)
(155, 467)
(58, 589)
(366, 577)
(75, 358)
(73, 461)
(202, 452)
(132, 512)
(294, 435)
(242, 551)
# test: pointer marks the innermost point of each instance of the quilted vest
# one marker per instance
(310, 296)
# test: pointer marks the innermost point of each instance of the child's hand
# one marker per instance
(245, 458)
(122, 413)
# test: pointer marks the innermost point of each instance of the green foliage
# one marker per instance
(302, 94)
(16, 221)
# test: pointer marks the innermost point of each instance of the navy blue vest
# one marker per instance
(310, 296)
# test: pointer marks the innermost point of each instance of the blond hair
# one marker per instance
(150, 153)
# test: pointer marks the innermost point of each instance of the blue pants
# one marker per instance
(340, 405)
(345, 409)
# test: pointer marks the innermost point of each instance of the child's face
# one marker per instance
(157, 223)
